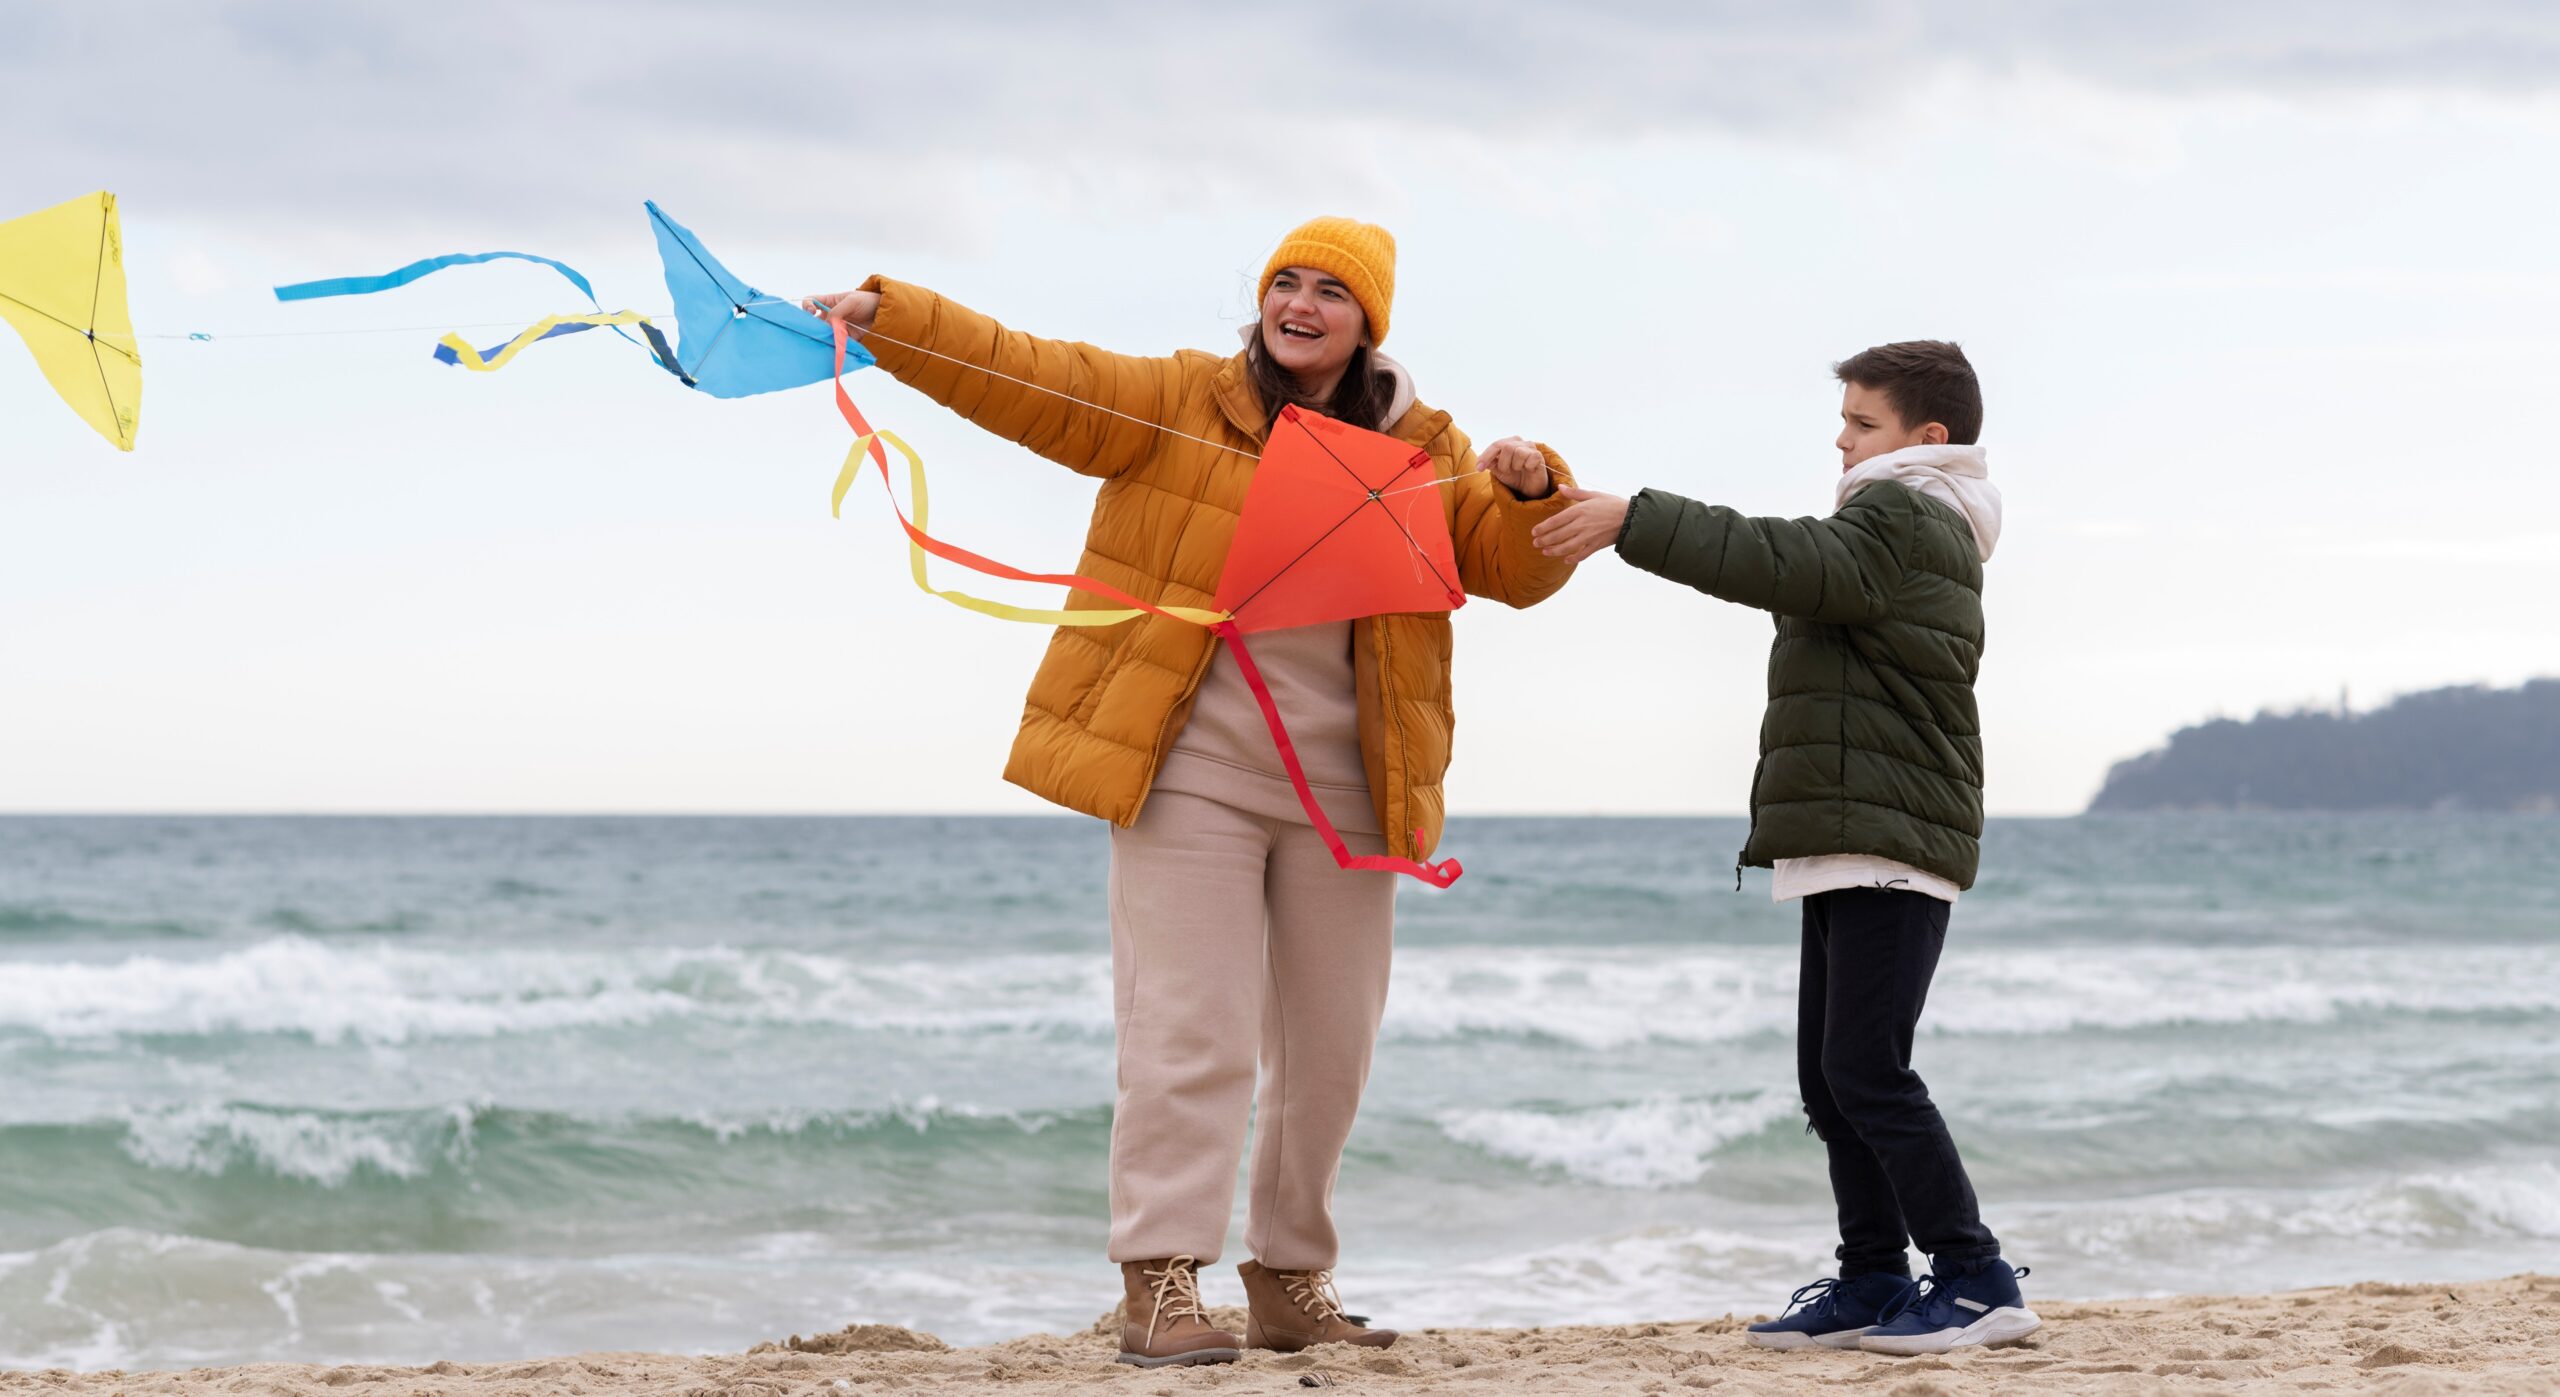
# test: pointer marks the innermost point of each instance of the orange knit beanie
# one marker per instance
(1362, 255)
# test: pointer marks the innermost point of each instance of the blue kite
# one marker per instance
(732, 340)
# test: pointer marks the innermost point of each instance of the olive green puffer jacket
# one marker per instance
(1871, 743)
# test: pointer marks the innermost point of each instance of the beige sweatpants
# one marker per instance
(1234, 936)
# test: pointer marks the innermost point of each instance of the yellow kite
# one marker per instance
(62, 287)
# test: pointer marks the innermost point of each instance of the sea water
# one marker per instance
(406, 1089)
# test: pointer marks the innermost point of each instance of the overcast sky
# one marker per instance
(2263, 298)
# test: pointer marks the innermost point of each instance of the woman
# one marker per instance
(1227, 911)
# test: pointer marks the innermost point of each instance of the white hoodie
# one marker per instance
(1959, 478)
(1955, 476)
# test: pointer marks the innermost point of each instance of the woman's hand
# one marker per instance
(1520, 466)
(1582, 528)
(854, 308)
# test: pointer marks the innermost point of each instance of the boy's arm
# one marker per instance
(1842, 571)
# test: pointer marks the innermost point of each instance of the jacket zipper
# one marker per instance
(1391, 731)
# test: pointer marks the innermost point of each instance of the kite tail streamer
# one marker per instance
(1438, 875)
(367, 285)
(920, 543)
(869, 441)
(452, 350)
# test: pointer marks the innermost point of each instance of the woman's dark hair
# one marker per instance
(1361, 398)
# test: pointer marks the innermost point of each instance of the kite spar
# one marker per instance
(62, 289)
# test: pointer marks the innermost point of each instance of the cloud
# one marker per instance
(473, 115)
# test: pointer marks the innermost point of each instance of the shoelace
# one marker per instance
(1314, 1292)
(1919, 1292)
(1929, 1291)
(1176, 1293)
(1819, 1299)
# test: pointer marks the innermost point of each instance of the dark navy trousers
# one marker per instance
(1869, 954)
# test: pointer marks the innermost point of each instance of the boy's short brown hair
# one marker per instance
(1925, 380)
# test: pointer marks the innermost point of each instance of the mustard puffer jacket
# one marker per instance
(1108, 701)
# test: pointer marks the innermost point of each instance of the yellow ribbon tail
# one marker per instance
(473, 360)
(920, 544)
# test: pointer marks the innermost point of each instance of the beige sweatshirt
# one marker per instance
(1225, 752)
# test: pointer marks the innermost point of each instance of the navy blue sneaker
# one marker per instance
(1830, 1313)
(1957, 1307)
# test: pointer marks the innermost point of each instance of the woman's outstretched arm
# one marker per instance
(1068, 401)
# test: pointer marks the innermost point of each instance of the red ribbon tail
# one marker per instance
(1438, 875)
(950, 552)
(853, 415)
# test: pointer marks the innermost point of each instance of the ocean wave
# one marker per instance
(332, 1148)
(465, 1175)
(2512, 1202)
(137, 1298)
(318, 1147)
(387, 994)
(2481, 1221)
(48, 921)
(1656, 1143)
(1616, 999)
(328, 993)
(134, 1296)
(1659, 1273)
(479, 1178)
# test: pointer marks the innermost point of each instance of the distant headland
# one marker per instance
(2469, 748)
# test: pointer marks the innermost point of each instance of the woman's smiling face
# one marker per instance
(1311, 326)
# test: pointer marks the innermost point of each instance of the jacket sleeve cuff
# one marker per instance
(1559, 475)
(1643, 537)
(902, 327)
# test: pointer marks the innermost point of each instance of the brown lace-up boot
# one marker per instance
(1288, 1310)
(1166, 1324)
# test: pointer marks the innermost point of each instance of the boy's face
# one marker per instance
(1870, 427)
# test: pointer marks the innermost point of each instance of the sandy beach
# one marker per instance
(2493, 1336)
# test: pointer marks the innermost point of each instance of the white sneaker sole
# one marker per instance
(2006, 1325)
(1788, 1339)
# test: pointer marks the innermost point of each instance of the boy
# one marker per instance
(1868, 807)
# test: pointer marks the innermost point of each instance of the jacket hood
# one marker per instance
(1958, 477)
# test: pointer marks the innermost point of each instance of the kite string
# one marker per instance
(1143, 422)
(1413, 489)
(396, 329)
(1055, 393)
(792, 301)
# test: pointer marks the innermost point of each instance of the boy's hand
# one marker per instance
(1582, 528)
(1520, 466)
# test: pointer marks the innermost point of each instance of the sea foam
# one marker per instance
(1653, 1143)
(1597, 999)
